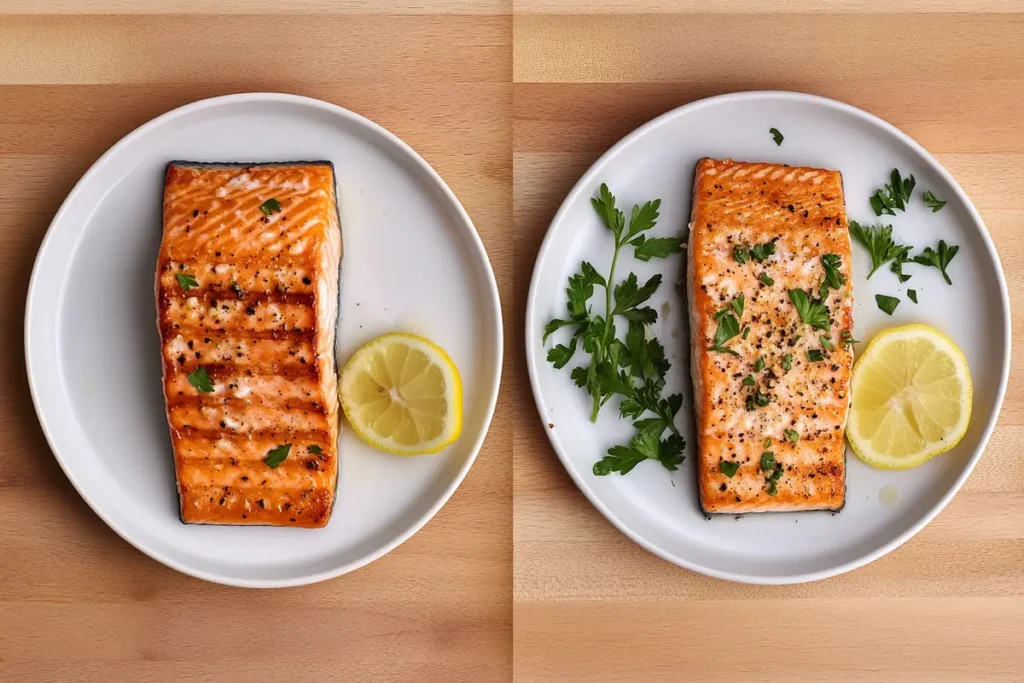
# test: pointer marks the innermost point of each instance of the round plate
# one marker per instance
(413, 262)
(658, 509)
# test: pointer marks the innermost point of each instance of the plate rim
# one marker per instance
(587, 180)
(474, 242)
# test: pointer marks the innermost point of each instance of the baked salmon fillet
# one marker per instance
(770, 306)
(247, 304)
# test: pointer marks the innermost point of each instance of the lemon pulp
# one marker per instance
(402, 394)
(912, 395)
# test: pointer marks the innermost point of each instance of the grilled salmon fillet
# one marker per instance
(247, 303)
(771, 402)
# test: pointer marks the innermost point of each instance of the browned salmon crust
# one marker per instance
(801, 211)
(260, 321)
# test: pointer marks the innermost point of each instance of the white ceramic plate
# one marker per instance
(413, 262)
(658, 509)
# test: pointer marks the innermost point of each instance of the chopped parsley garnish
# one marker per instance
(728, 327)
(912, 295)
(735, 305)
(887, 304)
(728, 467)
(186, 281)
(826, 342)
(200, 379)
(877, 239)
(761, 252)
(848, 339)
(897, 265)
(766, 279)
(767, 442)
(773, 469)
(748, 381)
(832, 263)
(793, 435)
(776, 135)
(767, 461)
(894, 195)
(815, 355)
(316, 450)
(811, 311)
(761, 400)
(271, 206)
(277, 455)
(746, 331)
(741, 254)
(932, 202)
(787, 362)
(939, 259)
(759, 365)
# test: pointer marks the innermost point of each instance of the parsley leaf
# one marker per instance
(768, 442)
(932, 202)
(271, 206)
(762, 252)
(759, 365)
(894, 195)
(767, 461)
(787, 362)
(645, 446)
(766, 280)
(741, 254)
(834, 277)
(737, 305)
(655, 247)
(896, 266)
(939, 259)
(815, 355)
(746, 331)
(200, 379)
(811, 311)
(186, 281)
(826, 342)
(560, 355)
(748, 381)
(315, 450)
(776, 135)
(277, 455)
(912, 295)
(877, 239)
(848, 339)
(728, 327)
(761, 400)
(887, 304)
(793, 435)
(728, 468)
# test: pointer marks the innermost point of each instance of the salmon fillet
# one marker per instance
(247, 304)
(771, 403)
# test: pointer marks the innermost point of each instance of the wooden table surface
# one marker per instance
(590, 605)
(77, 603)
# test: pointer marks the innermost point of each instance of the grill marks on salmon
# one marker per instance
(802, 211)
(261, 323)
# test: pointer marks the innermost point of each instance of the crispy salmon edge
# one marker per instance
(696, 432)
(177, 163)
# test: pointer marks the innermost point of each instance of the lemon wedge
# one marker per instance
(911, 397)
(402, 394)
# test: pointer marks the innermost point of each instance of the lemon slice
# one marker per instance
(402, 394)
(911, 392)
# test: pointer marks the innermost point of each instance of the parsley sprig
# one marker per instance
(894, 195)
(932, 202)
(938, 259)
(877, 239)
(634, 368)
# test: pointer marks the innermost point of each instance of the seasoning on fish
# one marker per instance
(798, 305)
(247, 303)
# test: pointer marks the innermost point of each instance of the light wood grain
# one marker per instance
(590, 605)
(78, 603)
